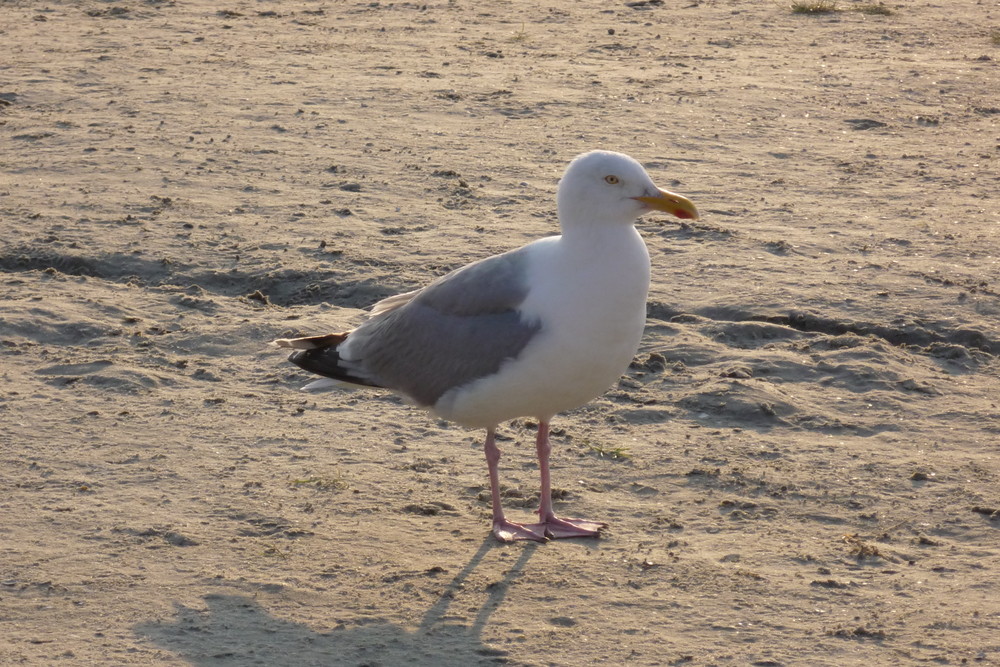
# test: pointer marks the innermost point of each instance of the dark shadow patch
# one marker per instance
(279, 286)
(233, 629)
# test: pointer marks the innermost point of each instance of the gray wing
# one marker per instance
(459, 328)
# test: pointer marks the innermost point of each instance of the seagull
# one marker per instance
(528, 333)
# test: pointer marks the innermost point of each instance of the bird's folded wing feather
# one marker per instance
(459, 328)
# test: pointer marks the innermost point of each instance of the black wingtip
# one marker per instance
(325, 361)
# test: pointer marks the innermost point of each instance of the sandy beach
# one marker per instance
(801, 466)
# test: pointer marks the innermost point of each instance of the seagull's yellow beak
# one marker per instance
(672, 203)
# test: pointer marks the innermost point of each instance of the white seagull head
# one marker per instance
(605, 188)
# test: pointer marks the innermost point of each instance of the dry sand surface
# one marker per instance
(800, 468)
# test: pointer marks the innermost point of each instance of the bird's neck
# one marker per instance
(605, 253)
(599, 235)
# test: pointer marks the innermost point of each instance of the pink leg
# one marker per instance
(504, 530)
(553, 526)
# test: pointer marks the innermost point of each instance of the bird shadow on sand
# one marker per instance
(236, 629)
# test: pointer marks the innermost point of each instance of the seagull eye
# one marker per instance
(611, 180)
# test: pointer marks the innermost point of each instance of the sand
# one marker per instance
(800, 468)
